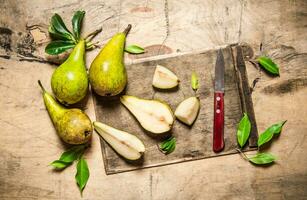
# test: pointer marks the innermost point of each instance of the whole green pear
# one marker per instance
(69, 81)
(72, 125)
(107, 73)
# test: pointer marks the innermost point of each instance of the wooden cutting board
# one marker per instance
(192, 142)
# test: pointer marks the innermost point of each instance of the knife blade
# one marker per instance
(218, 126)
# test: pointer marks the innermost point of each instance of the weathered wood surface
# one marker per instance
(29, 142)
(194, 142)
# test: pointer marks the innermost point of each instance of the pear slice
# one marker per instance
(187, 110)
(164, 78)
(125, 144)
(154, 116)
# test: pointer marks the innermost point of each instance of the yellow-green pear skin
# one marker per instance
(69, 81)
(72, 125)
(107, 73)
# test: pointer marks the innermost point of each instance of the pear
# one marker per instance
(69, 81)
(107, 73)
(125, 144)
(187, 110)
(164, 78)
(72, 125)
(154, 116)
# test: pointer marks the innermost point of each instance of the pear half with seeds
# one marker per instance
(153, 115)
(164, 78)
(125, 144)
(187, 110)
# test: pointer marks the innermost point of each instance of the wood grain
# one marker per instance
(245, 93)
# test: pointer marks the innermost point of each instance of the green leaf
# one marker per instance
(268, 65)
(77, 23)
(58, 164)
(278, 127)
(262, 158)
(72, 154)
(268, 134)
(59, 27)
(194, 81)
(68, 157)
(58, 36)
(134, 49)
(82, 174)
(244, 129)
(57, 47)
(168, 145)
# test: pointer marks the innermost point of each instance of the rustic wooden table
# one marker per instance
(168, 28)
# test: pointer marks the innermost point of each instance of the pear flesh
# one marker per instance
(187, 110)
(125, 144)
(164, 78)
(69, 81)
(107, 73)
(154, 116)
(72, 125)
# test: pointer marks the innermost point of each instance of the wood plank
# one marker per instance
(245, 93)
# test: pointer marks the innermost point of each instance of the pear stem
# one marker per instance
(126, 31)
(41, 85)
(242, 154)
(91, 45)
(91, 35)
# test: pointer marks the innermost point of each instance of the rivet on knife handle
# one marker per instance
(218, 126)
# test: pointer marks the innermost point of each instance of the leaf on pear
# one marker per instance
(59, 26)
(134, 49)
(262, 158)
(194, 81)
(58, 36)
(268, 134)
(168, 145)
(82, 174)
(243, 130)
(77, 23)
(57, 47)
(268, 65)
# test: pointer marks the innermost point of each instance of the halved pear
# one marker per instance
(125, 144)
(153, 115)
(164, 78)
(187, 110)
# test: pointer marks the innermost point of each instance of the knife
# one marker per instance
(218, 126)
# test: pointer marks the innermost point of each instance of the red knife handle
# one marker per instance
(218, 126)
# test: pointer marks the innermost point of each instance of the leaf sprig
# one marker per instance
(243, 135)
(68, 157)
(64, 39)
(168, 145)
